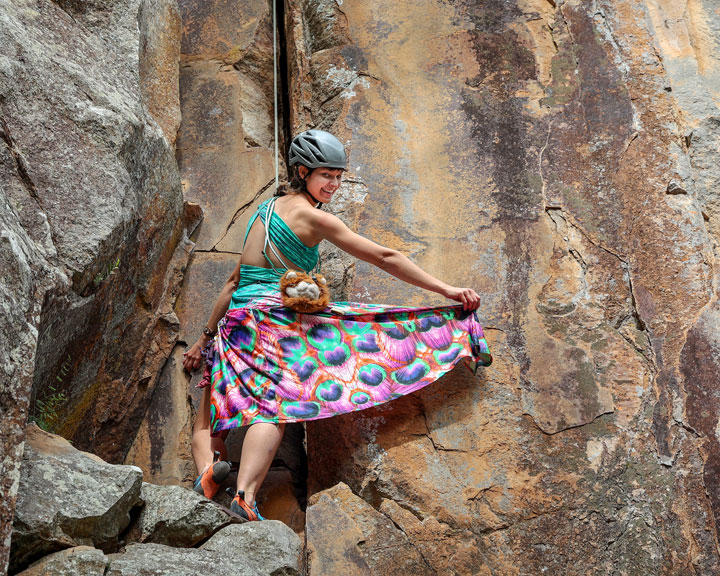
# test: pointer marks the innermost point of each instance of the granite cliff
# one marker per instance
(559, 156)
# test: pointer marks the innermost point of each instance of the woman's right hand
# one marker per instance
(469, 298)
(192, 358)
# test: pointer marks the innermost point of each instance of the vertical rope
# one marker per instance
(275, 92)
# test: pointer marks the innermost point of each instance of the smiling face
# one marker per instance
(322, 183)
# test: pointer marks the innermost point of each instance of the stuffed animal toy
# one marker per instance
(304, 293)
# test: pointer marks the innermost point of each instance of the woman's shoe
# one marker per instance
(208, 483)
(243, 509)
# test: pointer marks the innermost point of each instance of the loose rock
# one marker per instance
(268, 547)
(176, 516)
(345, 535)
(253, 549)
(82, 560)
(68, 498)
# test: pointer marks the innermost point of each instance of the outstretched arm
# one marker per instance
(192, 358)
(391, 261)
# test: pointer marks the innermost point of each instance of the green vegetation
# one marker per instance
(103, 274)
(46, 411)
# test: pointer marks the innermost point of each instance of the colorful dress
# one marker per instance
(270, 364)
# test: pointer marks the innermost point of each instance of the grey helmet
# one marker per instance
(317, 148)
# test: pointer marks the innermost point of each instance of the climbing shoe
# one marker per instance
(242, 508)
(208, 483)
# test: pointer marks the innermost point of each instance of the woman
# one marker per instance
(269, 365)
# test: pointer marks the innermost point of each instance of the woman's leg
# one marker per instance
(203, 446)
(261, 443)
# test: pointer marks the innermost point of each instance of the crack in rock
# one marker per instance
(239, 212)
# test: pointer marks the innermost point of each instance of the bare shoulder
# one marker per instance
(322, 221)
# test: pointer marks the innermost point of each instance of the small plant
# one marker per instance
(64, 369)
(47, 409)
(109, 270)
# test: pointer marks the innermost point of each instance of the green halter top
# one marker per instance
(277, 233)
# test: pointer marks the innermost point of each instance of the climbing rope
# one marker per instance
(275, 93)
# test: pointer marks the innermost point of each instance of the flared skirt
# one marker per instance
(270, 364)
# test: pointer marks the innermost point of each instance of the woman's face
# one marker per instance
(322, 183)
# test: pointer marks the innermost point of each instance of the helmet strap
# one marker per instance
(304, 189)
(318, 204)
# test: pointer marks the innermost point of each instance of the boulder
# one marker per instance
(345, 535)
(268, 547)
(251, 549)
(176, 516)
(161, 560)
(78, 561)
(68, 498)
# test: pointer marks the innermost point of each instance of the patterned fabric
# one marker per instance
(269, 364)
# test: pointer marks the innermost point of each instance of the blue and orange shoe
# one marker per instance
(208, 483)
(243, 509)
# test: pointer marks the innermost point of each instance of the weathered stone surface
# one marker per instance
(162, 444)
(20, 262)
(345, 535)
(252, 549)
(91, 217)
(176, 516)
(159, 60)
(219, 170)
(78, 561)
(556, 156)
(68, 498)
(268, 547)
(279, 500)
(161, 560)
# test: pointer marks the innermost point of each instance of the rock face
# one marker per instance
(346, 535)
(225, 164)
(556, 157)
(69, 498)
(90, 225)
(560, 156)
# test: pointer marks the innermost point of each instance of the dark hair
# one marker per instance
(296, 184)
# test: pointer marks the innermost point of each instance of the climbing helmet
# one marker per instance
(317, 148)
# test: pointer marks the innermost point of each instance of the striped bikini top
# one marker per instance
(278, 238)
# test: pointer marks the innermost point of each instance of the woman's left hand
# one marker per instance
(469, 298)
(192, 358)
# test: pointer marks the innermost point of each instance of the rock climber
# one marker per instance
(267, 365)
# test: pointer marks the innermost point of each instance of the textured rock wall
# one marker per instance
(557, 157)
(91, 217)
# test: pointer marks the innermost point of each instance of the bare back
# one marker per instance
(293, 210)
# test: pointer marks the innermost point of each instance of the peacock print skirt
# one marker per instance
(270, 364)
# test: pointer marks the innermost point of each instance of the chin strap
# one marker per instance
(306, 191)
